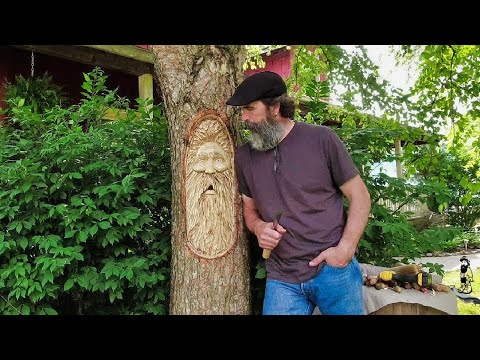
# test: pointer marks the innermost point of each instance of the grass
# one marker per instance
(453, 278)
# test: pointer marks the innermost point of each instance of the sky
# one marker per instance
(399, 75)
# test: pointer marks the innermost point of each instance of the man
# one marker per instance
(302, 170)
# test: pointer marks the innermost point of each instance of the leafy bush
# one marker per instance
(41, 93)
(84, 208)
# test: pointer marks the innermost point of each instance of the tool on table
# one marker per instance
(278, 215)
(423, 279)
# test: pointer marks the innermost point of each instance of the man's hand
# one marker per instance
(337, 256)
(267, 236)
(359, 200)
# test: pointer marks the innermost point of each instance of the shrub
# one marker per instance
(84, 208)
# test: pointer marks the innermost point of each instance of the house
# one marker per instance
(129, 67)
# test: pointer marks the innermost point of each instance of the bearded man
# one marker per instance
(304, 171)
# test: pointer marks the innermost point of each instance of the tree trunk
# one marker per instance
(210, 264)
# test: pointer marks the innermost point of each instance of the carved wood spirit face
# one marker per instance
(210, 189)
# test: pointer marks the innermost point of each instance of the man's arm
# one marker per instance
(268, 238)
(359, 208)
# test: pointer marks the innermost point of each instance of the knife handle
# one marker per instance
(266, 252)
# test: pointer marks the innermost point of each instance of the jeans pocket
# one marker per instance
(338, 267)
(341, 267)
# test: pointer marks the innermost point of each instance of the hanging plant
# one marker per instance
(40, 93)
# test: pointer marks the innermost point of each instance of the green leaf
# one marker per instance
(83, 236)
(108, 273)
(50, 311)
(25, 187)
(70, 233)
(28, 225)
(21, 270)
(68, 284)
(23, 243)
(129, 274)
(83, 281)
(131, 215)
(464, 200)
(28, 197)
(90, 202)
(139, 263)
(93, 230)
(78, 256)
(261, 273)
(25, 310)
(104, 225)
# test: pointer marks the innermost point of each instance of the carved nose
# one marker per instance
(209, 169)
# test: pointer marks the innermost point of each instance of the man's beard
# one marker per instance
(266, 134)
(210, 218)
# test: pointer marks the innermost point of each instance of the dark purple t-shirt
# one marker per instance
(312, 163)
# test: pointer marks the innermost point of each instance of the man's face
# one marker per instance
(265, 131)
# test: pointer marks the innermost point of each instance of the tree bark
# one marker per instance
(210, 262)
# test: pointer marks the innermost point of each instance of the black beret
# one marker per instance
(258, 86)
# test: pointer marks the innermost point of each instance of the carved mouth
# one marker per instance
(210, 191)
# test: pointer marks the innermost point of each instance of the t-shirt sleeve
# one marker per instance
(339, 160)
(239, 165)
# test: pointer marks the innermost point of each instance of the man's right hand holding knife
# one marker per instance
(269, 234)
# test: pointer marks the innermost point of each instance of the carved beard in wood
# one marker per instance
(210, 193)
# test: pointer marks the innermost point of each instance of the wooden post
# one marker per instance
(398, 152)
(145, 88)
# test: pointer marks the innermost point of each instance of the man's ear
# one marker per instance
(275, 109)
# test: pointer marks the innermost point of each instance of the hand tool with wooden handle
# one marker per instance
(423, 279)
(278, 215)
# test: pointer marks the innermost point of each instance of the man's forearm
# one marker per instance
(357, 220)
(252, 219)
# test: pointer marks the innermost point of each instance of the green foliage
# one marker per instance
(254, 54)
(448, 93)
(355, 73)
(457, 193)
(85, 208)
(471, 238)
(40, 93)
(258, 275)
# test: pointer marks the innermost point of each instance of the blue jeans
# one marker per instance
(336, 291)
